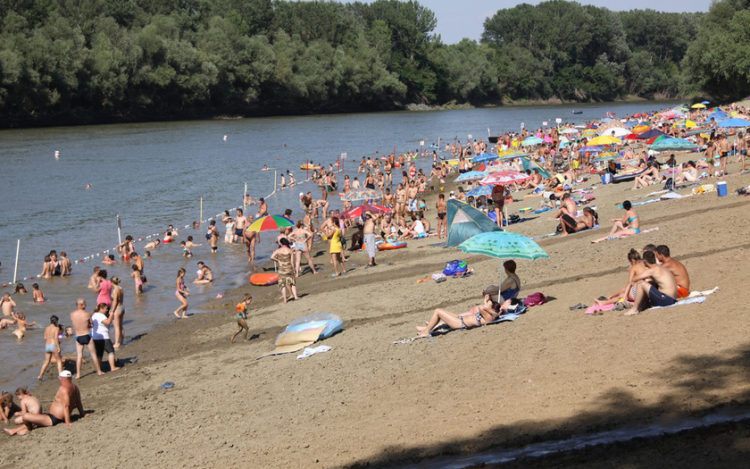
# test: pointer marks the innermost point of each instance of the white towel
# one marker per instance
(312, 351)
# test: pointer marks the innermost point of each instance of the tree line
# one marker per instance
(68, 61)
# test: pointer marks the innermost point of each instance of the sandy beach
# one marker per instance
(550, 374)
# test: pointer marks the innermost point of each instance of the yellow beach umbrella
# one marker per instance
(686, 124)
(639, 129)
(604, 140)
(698, 106)
(734, 113)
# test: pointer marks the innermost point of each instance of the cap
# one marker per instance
(65, 374)
(301, 194)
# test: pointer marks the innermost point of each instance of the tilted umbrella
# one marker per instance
(604, 140)
(503, 245)
(483, 157)
(650, 134)
(698, 106)
(673, 144)
(532, 141)
(479, 191)
(608, 155)
(504, 177)
(270, 223)
(734, 122)
(470, 176)
(509, 155)
(532, 165)
(358, 211)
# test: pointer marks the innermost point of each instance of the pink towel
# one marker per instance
(597, 308)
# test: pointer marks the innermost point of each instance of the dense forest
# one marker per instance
(70, 61)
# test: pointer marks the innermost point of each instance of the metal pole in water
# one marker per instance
(244, 199)
(119, 230)
(18, 250)
(201, 210)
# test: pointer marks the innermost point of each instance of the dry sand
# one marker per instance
(551, 374)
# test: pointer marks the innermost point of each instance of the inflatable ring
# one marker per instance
(309, 166)
(264, 280)
(392, 246)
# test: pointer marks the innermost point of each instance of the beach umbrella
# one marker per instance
(632, 136)
(528, 164)
(270, 223)
(686, 124)
(365, 194)
(569, 131)
(504, 177)
(483, 157)
(698, 106)
(639, 129)
(481, 167)
(503, 245)
(591, 150)
(360, 210)
(609, 155)
(479, 191)
(604, 140)
(616, 131)
(653, 140)
(717, 115)
(734, 122)
(705, 102)
(532, 141)
(650, 134)
(470, 176)
(673, 144)
(509, 155)
(606, 119)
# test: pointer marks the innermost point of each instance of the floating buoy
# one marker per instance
(57, 155)
(225, 138)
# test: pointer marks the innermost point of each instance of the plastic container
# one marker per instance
(721, 187)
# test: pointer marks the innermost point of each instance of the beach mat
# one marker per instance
(289, 342)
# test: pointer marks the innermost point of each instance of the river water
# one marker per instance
(154, 174)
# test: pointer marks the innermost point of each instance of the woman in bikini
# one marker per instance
(119, 311)
(628, 225)
(442, 212)
(400, 200)
(181, 292)
(477, 316)
(301, 236)
(628, 293)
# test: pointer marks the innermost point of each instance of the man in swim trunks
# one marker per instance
(239, 224)
(369, 239)
(724, 148)
(411, 194)
(82, 325)
(661, 291)
(678, 270)
(67, 398)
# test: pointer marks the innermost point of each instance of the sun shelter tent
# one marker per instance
(464, 221)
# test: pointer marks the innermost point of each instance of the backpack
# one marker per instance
(455, 268)
(535, 299)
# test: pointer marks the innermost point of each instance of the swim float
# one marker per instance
(391, 246)
(331, 322)
(264, 280)
(309, 166)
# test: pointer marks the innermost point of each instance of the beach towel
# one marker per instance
(703, 293)
(689, 301)
(442, 329)
(630, 236)
(293, 341)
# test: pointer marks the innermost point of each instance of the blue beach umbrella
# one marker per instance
(471, 176)
(503, 245)
(734, 122)
(480, 191)
(483, 157)
(673, 144)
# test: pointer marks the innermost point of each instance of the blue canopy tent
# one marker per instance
(464, 221)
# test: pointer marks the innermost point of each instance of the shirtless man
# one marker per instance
(724, 148)
(262, 208)
(67, 398)
(126, 247)
(388, 199)
(386, 226)
(94, 279)
(567, 207)
(322, 203)
(29, 405)
(678, 270)
(251, 238)
(662, 291)
(81, 320)
(239, 224)
(369, 239)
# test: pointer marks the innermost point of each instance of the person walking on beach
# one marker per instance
(300, 236)
(283, 257)
(51, 347)
(81, 320)
(724, 148)
(182, 292)
(369, 239)
(442, 211)
(100, 322)
(118, 312)
(242, 317)
(332, 231)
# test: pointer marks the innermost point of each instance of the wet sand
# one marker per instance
(550, 374)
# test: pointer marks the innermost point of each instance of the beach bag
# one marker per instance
(606, 178)
(535, 299)
(669, 185)
(455, 268)
(439, 277)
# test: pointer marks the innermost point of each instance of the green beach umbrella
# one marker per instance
(503, 245)
(529, 164)
(270, 223)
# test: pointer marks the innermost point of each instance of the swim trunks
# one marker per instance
(682, 292)
(54, 419)
(724, 154)
(370, 245)
(83, 339)
(413, 206)
(238, 231)
(50, 348)
(658, 298)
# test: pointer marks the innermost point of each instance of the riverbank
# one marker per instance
(550, 374)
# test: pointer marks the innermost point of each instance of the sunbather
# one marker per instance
(661, 291)
(573, 225)
(637, 267)
(628, 225)
(477, 316)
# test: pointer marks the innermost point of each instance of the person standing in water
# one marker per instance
(52, 346)
(182, 292)
(118, 312)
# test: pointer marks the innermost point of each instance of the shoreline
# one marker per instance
(550, 374)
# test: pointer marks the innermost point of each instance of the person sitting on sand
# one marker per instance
(7, 407)
(689, 173)
(477, 316)
(571, 224)
(27, 404)
(678, 270)
(415, 230)
(637, 267)
(628, 225)
(660, 290)
(651, 176)
(567, 207)
(67, 398)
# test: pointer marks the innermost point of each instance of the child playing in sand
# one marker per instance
(22, 325)
(242, 317)
(8, 407)
(38, 295)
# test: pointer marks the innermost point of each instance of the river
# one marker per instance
(155, 174)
